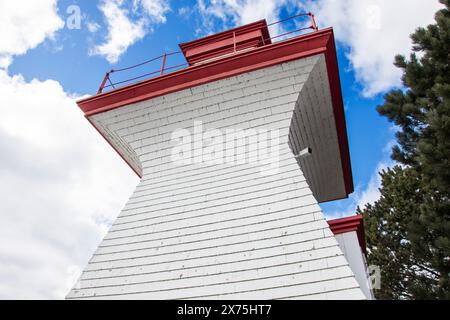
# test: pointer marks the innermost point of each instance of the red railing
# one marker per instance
(107, 83)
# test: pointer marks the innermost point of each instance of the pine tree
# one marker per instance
(391, 227)
(409, 226)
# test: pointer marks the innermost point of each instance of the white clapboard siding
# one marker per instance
(221, 230)
(215, 259)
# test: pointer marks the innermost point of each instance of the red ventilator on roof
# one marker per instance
(243, 38)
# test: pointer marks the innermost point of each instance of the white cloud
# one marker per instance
(25, 24)
(222, 14)
(184, 11)
(58, 193)
(374, 32)
(57, 188)
(241, 12)
(122, 32)
(370, 192)
(127, 25)
(155, 9)
(93, 26)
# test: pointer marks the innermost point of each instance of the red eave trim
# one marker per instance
(339, 115)
(261, 57)
(348, 224)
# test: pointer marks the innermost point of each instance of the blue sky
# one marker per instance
(45, 66)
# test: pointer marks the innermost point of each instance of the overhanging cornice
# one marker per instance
(261, 57)
(321, 42)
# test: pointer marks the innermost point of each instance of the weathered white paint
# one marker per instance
(226, 230)
(349, 244)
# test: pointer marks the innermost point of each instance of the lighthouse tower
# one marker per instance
(234, 151)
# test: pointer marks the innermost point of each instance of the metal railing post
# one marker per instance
(313, 22)
(163, 63)
(313, 26)
(105, 78)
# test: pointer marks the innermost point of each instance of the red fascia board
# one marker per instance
(349, 224)
(339, 115)
(261, 57)
(254, 59)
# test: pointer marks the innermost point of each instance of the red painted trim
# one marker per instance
(251, 35)
(257, 58)
(257, 25)
(262, 57)
(339, 115)
(112, 146)
(349, 224)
